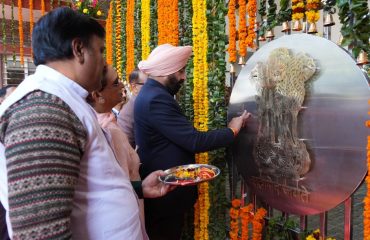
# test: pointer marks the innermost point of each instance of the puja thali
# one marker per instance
(191, 174)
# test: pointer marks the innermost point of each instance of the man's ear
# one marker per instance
(78, 50)
(95, 95)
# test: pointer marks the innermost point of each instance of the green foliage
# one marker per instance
(216, 12)
(271, 15)
(279, 228)
(153, 24)
(185, 96)
(355, 19)
(137, 32)
(285, 13)
(123, 37)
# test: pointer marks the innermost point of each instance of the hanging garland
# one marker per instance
(118, 33)
(234, 219)
(216, 22)
(232, 31)
(245, 215)
(42, 7)
(3, 25)
(258, 221)
(312, 13)
(130, 38)
(109, 33)
(252, 13)
(262, 12)
(154, 24)
(200, 97)
(242, 28)
(51, 4)
(20, 30)
(271, 15)
(123, 39)
(145, 29)
(245, 218)
(367, 197)
(168, 22)
(298, 10)
(114, 23)
(285, 13)
(30, 3)
(137, 33)
(12, 31)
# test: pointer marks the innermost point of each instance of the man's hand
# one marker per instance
(153, 188)
(238, 122)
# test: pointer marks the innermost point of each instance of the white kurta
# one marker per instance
(105, 205)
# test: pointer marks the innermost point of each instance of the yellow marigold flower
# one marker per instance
(78, 4)
(86, 11)
(98, 13)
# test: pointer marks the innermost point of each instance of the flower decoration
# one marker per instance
(168, 22)
(312, 13)
(109, 34)
(298, 8)
(93, 8)
(30, 5)
(200, 98)
(145, 28)
(232, 31)
(367, 197)
(242, 28)
(258, 222)
(20, 30)
(130, 37)
(252, 13)
(315, 235)
(3, 29)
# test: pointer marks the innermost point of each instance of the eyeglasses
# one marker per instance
(139, 83)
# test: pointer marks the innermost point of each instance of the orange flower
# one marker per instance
(236, 203)
(168, 22)
(232, 31)
(42, 7)
(367, 197)
(242, 28)
(252, 13)
(130, 37)
(30, 3)
(20, 28)
(109, 32)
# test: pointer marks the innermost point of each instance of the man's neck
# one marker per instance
(161, 80)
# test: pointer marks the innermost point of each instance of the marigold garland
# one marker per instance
(109, 32)
(234, 219)
(42, 7)
(20, 29)
(168, 22)
(252, 14)
(367, 197)
(232, 31)
(145, 29)
(118, 32)
(246, 217)
(200, 98)
(242, 28)
(298, 9)
(312, 13)
(130, 37)
(258, 222)
(30, 5)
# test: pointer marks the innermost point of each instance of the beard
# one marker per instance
(174, 84)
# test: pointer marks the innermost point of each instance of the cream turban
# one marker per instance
(165, 60)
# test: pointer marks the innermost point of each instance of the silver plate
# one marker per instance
(169, 179)
(331, 124)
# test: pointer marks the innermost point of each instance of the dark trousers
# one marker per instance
(168, 228)
(3, 228)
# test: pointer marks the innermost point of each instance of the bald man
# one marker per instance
(166, 139)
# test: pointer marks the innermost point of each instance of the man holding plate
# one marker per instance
(166, 139)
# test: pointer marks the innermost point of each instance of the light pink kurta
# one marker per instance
(126, 156)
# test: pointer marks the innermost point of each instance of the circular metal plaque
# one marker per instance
(304, 148)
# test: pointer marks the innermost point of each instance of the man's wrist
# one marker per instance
(235, 132)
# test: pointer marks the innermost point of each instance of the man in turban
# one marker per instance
(165, 138)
